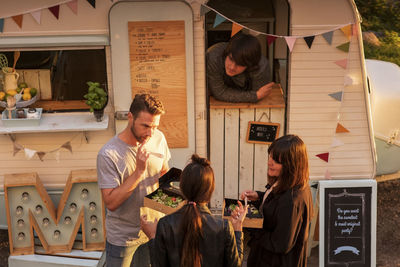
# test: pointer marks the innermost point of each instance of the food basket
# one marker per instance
(167, 198)
(21, 122)
(253, 218)
(21, 103)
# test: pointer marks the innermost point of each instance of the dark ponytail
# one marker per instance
(197, 185)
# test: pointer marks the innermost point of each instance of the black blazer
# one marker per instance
(221, 246)
(283, 239)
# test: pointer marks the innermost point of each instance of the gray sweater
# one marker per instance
(235, 91)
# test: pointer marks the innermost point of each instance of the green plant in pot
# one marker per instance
(96, 99)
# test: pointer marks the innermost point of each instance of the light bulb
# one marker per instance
(84, 194)
(46, 222)
(93, 219)
(25, 197)
(19, 210)
(93, 233)
(67, 220)
(38, 209)
(21, 223)
(72, 207)
(56, 234)
(21, 236)
(92, 206)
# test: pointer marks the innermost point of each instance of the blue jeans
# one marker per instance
(117, 256)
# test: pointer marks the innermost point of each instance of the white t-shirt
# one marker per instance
(116, 161)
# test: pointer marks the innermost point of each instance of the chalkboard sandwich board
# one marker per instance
(253, 218)
(168, 197)
(262, 132)
(348, 223)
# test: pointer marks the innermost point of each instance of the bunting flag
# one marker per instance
(341, 129)
(328, 37)
(41, 155)
(344, 47)
(355, 29)
(327, 175)
(309, 40)
(1, 25)
(18, 19)
(37, 15)
(336, 142)
(218, 20)
(271, 39)
(29, 153)
(55, 10)
(290, 40)
(347, 30)
(254, 33)
(348, 80)
(342, 63)
(204, 10)
(324, 156)
(235, 29)
(337, 96)
(73, 5)
(92, 3)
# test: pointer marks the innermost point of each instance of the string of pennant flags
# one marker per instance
(30, 153)
(55, 10)
(347, 29)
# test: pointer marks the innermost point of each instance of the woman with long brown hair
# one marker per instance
(192, 236)
(286, 206)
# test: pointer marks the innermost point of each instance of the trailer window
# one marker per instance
(61, 75)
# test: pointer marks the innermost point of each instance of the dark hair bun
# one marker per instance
(199, 160)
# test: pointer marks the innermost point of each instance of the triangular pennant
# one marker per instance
(67, 145)
(271, 39)
(29, 153)
(327, 175)
(57, 156)
(347, 30)
(290, 40)
(37, 15)
(323, 156)
(336, 142)
(337, 96)
(1, 25)
(92, 3)
(341, 129)
(342, 63)
(235, 29)
(204, 10)
(344, 47)
(309, 40)
(18, 20)
(328, 37)
(73, 5)
(55, 10)
(41, 155)
(17, 148)
(348, 80)
(218, 20)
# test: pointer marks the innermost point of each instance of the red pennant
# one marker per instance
(271, 39)
(55, 10)
(18, 20)
(235, 29)
(323, 156)
(341, 129)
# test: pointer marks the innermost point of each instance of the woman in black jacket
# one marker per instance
(192, 237)
(286, 206)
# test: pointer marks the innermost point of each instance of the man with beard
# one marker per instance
(128, 168)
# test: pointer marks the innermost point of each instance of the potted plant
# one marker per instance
(96, 99)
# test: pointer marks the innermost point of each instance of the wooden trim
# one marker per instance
(50, 105)
(274, 100)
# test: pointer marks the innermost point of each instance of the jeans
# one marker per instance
(136, 255)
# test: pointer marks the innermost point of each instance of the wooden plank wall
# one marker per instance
(313, 114)
(238, 165)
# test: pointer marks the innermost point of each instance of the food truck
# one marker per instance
(314, 49)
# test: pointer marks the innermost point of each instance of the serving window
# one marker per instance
(60, 74)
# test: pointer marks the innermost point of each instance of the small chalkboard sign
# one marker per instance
(348, 224)
(262, 132)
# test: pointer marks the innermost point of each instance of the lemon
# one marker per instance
(26, 96)
(27, 90)
(12, 92)
(2, 96)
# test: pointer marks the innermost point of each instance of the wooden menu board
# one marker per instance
(158, 67)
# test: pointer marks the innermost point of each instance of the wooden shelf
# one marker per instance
(274, 100)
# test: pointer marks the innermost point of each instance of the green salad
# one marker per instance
(167, 200)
